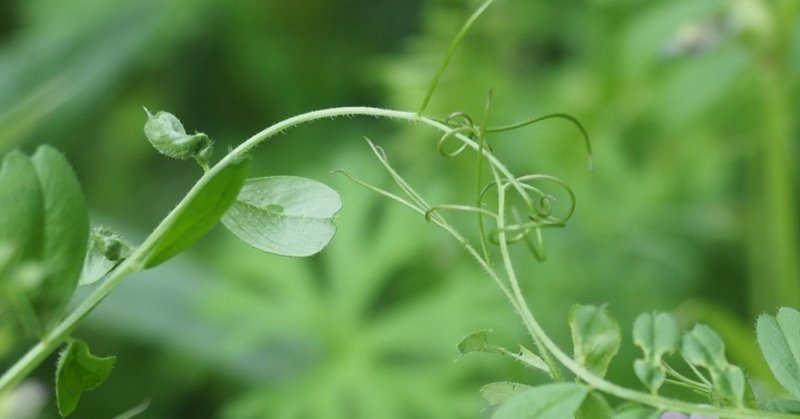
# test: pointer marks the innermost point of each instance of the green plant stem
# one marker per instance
(39, 352)
(548, 348)
(591, 379)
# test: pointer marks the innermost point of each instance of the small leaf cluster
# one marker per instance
(596, 340)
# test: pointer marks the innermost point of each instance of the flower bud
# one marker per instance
(166, 133)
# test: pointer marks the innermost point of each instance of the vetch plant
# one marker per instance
(47, 251)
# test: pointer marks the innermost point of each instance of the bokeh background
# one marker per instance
(692, 106)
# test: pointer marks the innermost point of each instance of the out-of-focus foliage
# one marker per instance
(693, 112)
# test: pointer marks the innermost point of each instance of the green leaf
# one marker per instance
(779, 339)
(79, 371)
(635, 411)
(595, 406)
(22, 206)
(66, 232)
(197, 214)
(477, 342)
(596, 337)
(783, 406)
(550, 401)
(499, 392)
(650, 373)
(656, 335)
(530, 359)
(703, 347)
(284, 215)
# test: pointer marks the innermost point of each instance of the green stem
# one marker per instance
(38, 353)
(548, 348)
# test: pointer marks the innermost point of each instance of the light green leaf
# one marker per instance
(22, 207)
(196, 215)
(650, 373)
(779, 339)
(478, 342)
(79, 371)
(595, 336)
(499, 392)
(783, 406)
(550, 401)
(703, 347)
(284, 215)
(532, 360)
(656, 335)
(66, 232)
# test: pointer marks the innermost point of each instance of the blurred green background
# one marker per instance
(692, 106)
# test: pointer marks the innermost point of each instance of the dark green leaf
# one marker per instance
(498, 393)
(779, 339)
(196, 215)
(704, 348)
(66, 232)
(550, 401)
(79, 371)
(284, 215)
(595, 336)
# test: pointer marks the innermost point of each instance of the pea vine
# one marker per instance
(47, 250)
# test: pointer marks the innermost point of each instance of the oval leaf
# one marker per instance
(656, 335)
(79, 371)
(66, 233)
(595, 336)
(21, 200)
(284, 215)
(196, 215)
(779, 339)
(499, 392)
(550, 401)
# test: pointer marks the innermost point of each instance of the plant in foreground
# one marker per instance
(47, 250)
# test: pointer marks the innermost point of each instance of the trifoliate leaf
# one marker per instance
(595, 336)
(779, 339)
(79, 371)
(552, 401)
(284, 215)
(197, 214)
(704, 348)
